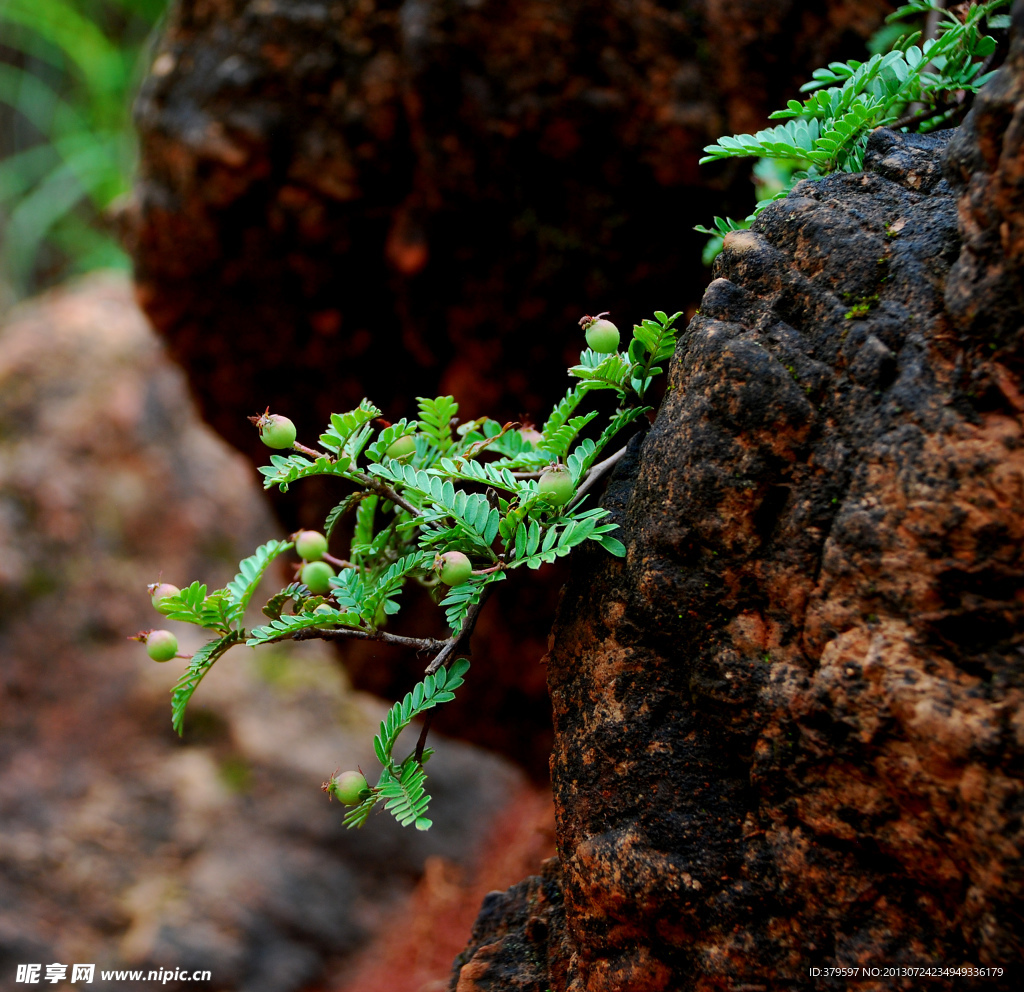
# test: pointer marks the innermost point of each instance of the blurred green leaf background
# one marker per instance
(68, 70)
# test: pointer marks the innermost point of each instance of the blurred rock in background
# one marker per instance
(121, 844)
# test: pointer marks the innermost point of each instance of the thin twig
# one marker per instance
(931, 31)
(912, 120)
(312, 452)
(340, 562)
(421, 741)
(381, 488)
(487, 571)
(455, 645)
(460, 642)
(356, 633)
(595, 474)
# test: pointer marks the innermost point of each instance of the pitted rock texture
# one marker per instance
(518, 942)
(985, 290)
(790, 724)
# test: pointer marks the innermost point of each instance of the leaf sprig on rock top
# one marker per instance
(828, 131)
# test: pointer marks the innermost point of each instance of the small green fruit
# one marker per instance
(161, 591)
(310, 545)
(455, 568)
(603, 336)
(348, 786)
(403, 449)
(532, 435)
(161, 645)
(316, 576)
(556, 484)
(276, 431)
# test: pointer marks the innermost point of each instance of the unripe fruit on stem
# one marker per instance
(532, 435)
(454, 568)
(316, 576)
(556, 484)
(276, 431)
(347, 787)
(162, 590)
(310, 545)
(402, 449)
(603, 336)
(161, 645)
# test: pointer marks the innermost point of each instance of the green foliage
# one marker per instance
(200, 663)
(829, 130)
(470, 488)
(66, 74)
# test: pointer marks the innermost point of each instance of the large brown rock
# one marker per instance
(790, 725)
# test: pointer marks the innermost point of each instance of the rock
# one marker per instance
(788, 724)
(121, 844)
(985, 290)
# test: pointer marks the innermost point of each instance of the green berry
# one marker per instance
(316, 576)
(276, 431)
(161, 591)
(454, 568)
(603, 336)
(161, 645)
(557, 485)
(348, 786)
(402, 449)
(310, 545)
(531, 435)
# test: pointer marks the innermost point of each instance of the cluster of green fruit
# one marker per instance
(453, 506)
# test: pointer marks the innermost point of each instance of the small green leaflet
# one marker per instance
(459, 599)
(387, 437)
(284, 470)
(437, 688)
(192, 605)
(341, 509)
(250, 571)
(435, 420)
(202, 661)
(289, 624)
(402, 786)
(346, 425)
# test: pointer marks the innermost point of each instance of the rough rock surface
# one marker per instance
(120, 844)
(790, 725)
(393, 198)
